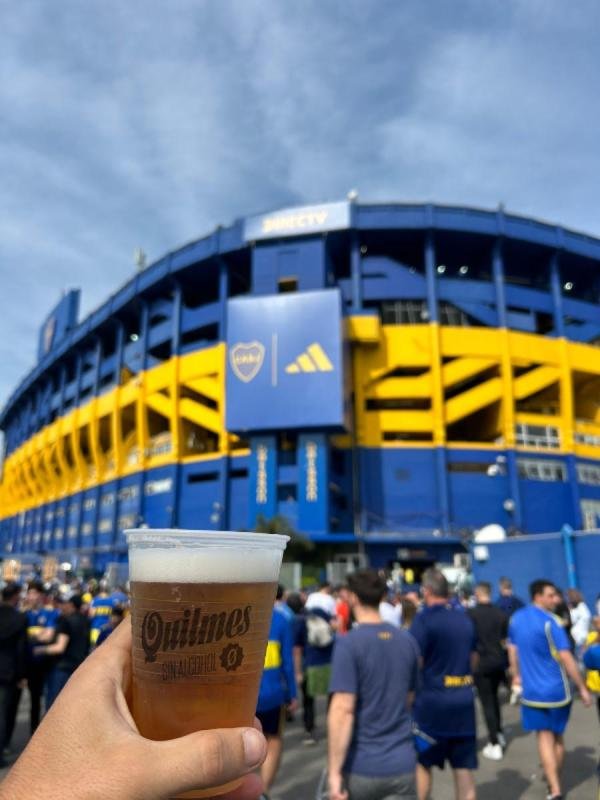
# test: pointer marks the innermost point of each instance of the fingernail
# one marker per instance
(254, 746)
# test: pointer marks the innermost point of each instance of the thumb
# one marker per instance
(203, 760)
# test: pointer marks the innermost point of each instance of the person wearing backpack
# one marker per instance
(315, 633)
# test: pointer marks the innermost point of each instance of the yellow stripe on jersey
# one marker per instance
(273, 655)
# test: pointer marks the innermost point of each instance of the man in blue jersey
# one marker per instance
(41, 629)
(374, 674)
(100, 610)
(541, 664)
(445, 705)
(277, 691)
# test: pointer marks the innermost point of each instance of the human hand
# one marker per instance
(88, 746)
(336, 787)
(292, 706)
(586, 698)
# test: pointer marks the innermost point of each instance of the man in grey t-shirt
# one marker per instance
(374, 674)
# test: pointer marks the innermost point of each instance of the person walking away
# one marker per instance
(277, 692)
(322, 599)
(70, 648)
(373, 679)
(581, 619)
(445, 704)
(491, 628)
(507, 601)
(116, 618)
(313, 647)
(541, 664)
(13, 653)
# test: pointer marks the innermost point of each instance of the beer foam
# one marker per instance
(236, 562)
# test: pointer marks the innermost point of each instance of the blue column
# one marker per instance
(430, 277)
(499, 283)
(176, 319)
(441, 466)
(500, 286)
(313, 483)
(569, 550)
(97, 364)
(175, 345)
(120, 344)
(223, 295)
(556, 291)
(355, 262)
(263, 479)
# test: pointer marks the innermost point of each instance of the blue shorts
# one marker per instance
(545, 719)
(459, 751)
(272, 720)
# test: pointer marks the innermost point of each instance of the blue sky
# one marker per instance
(126, 124)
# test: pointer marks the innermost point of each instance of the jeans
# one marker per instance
(56, 680)
(394, 787)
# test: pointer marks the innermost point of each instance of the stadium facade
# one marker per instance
(389, 378)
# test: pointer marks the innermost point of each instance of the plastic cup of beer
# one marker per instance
(201, 606)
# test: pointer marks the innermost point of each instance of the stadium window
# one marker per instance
(588, 474)
(203, 477)
(590, 511)
(541, 470)
(540, 437)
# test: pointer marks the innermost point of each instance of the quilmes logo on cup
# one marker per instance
(193, 628)
(246, 359)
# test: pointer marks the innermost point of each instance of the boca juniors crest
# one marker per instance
(246, 359)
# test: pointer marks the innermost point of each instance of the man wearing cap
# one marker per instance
(70, 648)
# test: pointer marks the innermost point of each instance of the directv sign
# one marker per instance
(285, 362)
(298, 221)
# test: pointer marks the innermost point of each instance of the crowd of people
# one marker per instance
(400, 671)
(46, 632)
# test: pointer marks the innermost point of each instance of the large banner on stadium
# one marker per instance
(285, 362)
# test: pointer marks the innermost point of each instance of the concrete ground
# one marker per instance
(517, 777)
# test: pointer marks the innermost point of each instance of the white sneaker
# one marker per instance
(493, 752)
(502, 740)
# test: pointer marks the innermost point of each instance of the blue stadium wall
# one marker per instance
(386, 377)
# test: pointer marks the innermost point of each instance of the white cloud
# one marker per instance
(126, 124)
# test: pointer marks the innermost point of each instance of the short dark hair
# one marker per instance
(77, 601)
(36, 586)
(505, 583)
(435, 580)
(294, 601)
(368, 586)
(485, 587)
(11, 590)
(537, 587)
(280, 591)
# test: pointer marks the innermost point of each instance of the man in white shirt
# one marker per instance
(322, 599)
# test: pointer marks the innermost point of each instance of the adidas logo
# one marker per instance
(314, 359)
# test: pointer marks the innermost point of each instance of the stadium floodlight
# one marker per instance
(353, 195)
(139, 258)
